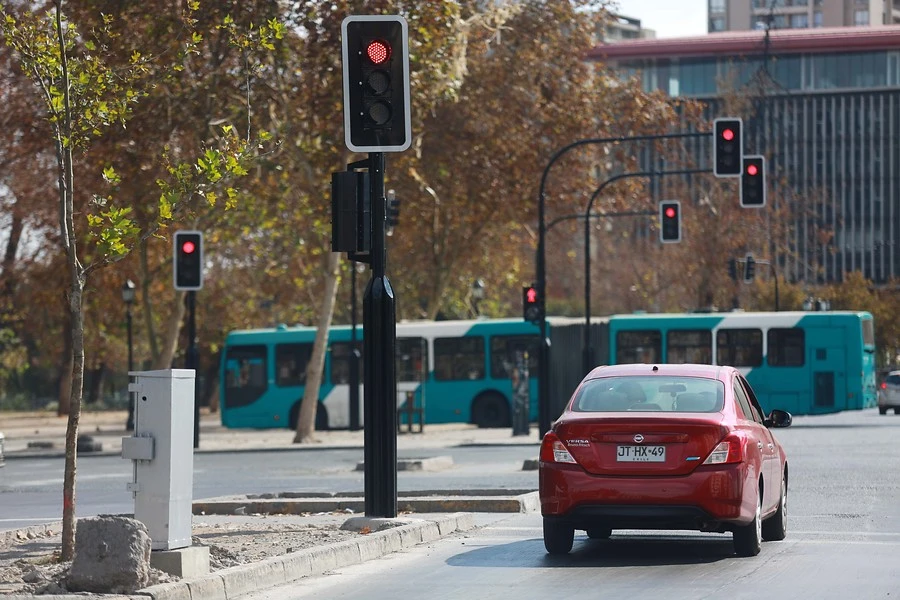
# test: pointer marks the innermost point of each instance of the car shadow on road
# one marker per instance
(617, 551)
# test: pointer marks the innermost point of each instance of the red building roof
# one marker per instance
(782, 41)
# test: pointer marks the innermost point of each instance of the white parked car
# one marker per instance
(889, 393)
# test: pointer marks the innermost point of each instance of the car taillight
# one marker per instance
(553, 450)
(729, 450)
(883, 385)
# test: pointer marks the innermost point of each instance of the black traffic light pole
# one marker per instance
(544, 418)
(355, 355)
(379, 350)
(191, 359)
(588, 350)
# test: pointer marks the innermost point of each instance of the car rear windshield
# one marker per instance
(668, 394)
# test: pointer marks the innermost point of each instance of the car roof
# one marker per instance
(681, 370)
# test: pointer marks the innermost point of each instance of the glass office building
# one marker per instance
(828, 120)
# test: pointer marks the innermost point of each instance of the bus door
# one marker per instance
(412, 372)
(829, 380)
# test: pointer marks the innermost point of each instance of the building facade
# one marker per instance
(828, 122)
(743, 15)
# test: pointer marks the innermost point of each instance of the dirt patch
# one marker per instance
(30, 561)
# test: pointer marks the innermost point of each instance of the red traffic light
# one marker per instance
(752, 170)
(670, 212)
(378, 51)
(188, 247)
(728, 135)
(531, 295)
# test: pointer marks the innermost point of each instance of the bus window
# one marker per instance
(290, 364)
(787, 347)
(505, 350)
(638, 346)
(340, 362)
(412, 359)
(868, 333)
(458, 358)
(689, 346)
(245, 375)
(739, 347)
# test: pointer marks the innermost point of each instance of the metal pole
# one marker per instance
(541, 275)
(129, 425)
(191, 360)
(379, 343)
(354, 355)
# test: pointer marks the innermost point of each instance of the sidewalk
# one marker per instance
(43, 434)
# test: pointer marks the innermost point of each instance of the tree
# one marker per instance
(85, 93)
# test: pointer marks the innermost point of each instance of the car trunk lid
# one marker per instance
(641, 445)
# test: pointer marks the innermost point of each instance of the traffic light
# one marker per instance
(532, 309)
(669, 221)
(753, 182)
(188, 260)
(375, 52)
(749, 268)
(732, 269)
(727, 147)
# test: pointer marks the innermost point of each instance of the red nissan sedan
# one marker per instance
(664, 447)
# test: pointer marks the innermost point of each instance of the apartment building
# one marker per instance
(743, 15)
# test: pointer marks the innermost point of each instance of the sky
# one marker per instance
(670, 18)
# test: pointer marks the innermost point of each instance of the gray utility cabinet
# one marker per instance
(162, 449)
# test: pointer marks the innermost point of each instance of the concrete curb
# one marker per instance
(237, 581)
(527, 502)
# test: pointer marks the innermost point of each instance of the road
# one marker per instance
(31, 489)
(843, 542)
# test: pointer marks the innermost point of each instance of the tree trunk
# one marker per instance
(307, 418)
(64, 391)
(173, 328)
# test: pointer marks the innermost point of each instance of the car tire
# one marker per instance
(748, 538)
(599, 533)
(882, 410)
(558, 537)
(774, 529)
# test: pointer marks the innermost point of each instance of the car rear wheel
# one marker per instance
(599, 533)
(748, 538)
(774, 529)
(558, 537)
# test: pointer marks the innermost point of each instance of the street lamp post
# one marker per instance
(128, 293)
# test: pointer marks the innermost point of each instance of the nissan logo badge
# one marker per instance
(638, 438)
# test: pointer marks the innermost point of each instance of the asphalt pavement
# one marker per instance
(438, 512)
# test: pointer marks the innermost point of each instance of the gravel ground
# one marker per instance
(29, 563)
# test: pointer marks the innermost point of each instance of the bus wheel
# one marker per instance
(491, 410)
(321, 418)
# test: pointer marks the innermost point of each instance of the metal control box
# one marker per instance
(163, 454)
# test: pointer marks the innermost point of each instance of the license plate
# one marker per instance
(641, 454)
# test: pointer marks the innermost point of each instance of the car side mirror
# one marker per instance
(779, 418)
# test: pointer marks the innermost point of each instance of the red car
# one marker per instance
(664, 447)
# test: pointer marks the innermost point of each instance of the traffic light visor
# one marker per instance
(378, 51)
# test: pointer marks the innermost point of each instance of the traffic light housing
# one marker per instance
(727, 147)
(749, 269)
(187, 260)
(753, 182)
(669, 221)
(375, 53)
(532, 307)
(732, 269)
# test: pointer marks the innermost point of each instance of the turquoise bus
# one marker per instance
(458, 371)
(802, 362)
